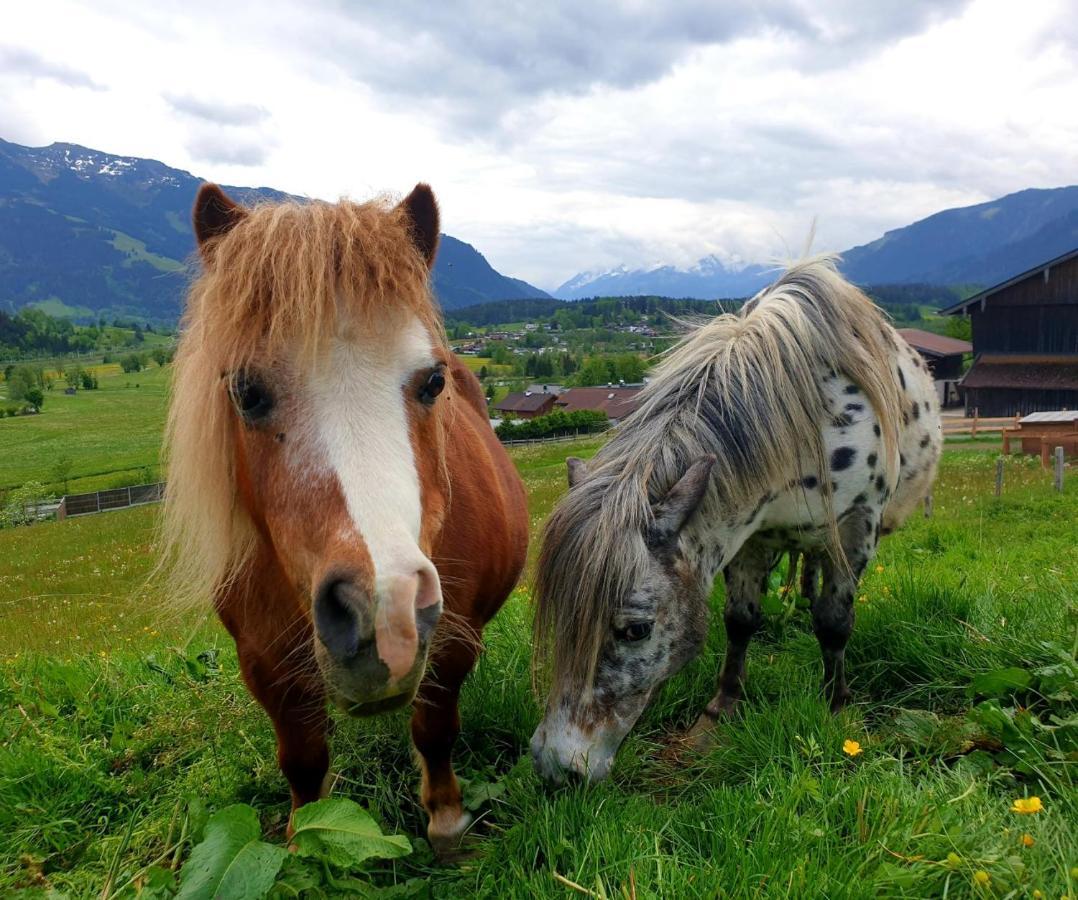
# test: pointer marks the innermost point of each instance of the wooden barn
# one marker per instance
(1025, 342)
(944, 357)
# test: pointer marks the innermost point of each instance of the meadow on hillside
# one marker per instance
(125, 726)
(112, 435)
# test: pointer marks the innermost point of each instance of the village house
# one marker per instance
(616, 402)
(526, 405)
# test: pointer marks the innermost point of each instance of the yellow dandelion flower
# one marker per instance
(1037, 894)
(879, 570)
(981, 878)
(863, 598)
(851, 748)
(1027, 840)
(1026, 806)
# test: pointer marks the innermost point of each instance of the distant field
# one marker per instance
(475, 363)
(111, 434)
(123, 724)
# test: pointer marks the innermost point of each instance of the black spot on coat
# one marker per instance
(842, 457)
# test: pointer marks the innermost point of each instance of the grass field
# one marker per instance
(123, 726)
(475, 363)
(112, 435)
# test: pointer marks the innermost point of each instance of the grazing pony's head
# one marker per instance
(305, 433)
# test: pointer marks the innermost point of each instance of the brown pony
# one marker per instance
(334, 484)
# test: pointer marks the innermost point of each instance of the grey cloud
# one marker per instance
(218, 113)
(29, 64)
(228, 149)
(476, 61)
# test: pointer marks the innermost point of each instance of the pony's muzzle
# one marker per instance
(378, 636)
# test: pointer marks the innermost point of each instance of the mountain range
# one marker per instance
(972, 245)
(83, 232)
(86, 233)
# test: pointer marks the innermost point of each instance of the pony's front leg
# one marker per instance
(295, 701)
(273, 643)
(435, 726)
(746, 579)
(811, 567)
(832, 610)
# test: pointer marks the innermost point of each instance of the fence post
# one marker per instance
(97, 500)
(999, 476)
(129, 495)
(1059, 468)
(61, 510)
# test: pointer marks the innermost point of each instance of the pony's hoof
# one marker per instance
(839, 701)
(448, 833)
(702, 736)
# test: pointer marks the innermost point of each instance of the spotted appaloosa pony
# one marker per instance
(334, 484)
(803, 422)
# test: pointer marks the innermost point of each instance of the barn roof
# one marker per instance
(962, 306)
(616, 402)
(1023, 372)
(925, 342)
(524, 402)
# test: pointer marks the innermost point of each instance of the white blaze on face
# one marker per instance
(360, 415)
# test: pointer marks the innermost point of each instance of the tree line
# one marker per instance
(33, 332)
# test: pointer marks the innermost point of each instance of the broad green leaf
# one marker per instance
(231, 863)
(342, 833)
(771, 605)
(994, 721)
(1000, 682)
(480, 793)
(916, 727)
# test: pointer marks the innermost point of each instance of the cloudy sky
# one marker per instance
(562, 136)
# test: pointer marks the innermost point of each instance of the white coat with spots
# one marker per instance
(803, 423)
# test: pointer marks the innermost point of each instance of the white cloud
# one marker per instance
(566, 136)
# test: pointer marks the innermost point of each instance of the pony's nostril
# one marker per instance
(338, 618)
(428, 589)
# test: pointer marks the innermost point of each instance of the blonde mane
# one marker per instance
(744, 387)
(282, 280)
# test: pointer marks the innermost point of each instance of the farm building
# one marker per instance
(554, 389)
(1025, 342)
(526, 404)
(944, 356)
(616, 402)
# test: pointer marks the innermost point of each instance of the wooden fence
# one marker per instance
(977, 425)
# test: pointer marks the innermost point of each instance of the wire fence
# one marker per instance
(101, 501)
(558, 438)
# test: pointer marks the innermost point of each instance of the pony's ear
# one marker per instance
(578, 470)
(422, 211)
(674, 510)
(214, 215)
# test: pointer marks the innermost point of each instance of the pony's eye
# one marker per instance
(433, 386)
(635, 631)
(252, 398)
